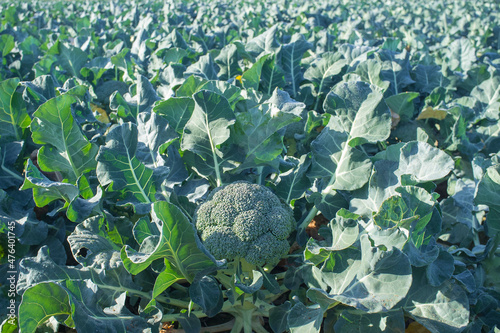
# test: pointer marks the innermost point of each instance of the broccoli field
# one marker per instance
(250, 166)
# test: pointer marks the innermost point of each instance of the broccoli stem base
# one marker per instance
(248, 317)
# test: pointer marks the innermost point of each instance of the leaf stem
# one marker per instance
(312, 213)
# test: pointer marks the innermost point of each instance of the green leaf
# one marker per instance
(65, 148)
(177, 244)
(488, 95)
(302, 319)
(423, 162)
(258, 134)
(96, 68)
(165, 279)
(290, 56)
(190, 324)
(345, 166)
(44, 190)
(206, 293)
(227, 60)
(154, 136)
(229, 91)
(373, 280)
(329, 203)
(13, 116)
(293, 183)
(96, 293)
(71, 58)
(369, 71)
(104, 270)
(41, 302)
(79, 209)
(38, 91)
(488, 192)
(270, 282)
(177, 110)
(118, 103)
(254, 286)
(208, 127)
(265, 42)
(412, 211)
(91, 315)
(204, 68)
(402, 104)
(362, 113)
(323, 73)
(460, 55)
(118, 167)
(439, 309)
(9, 153)
(344, 232)
(92, 235)
(142, 95)
(441, 269)
(391, 322)
(272, 76)
(7, 43)
(252, 76)
(428, 78)
(396, 70)
(278, 317)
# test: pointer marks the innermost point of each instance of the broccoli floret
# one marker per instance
(244, 220)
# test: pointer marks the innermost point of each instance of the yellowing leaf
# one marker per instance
(416, 327)
(239, 77)
(103, 115)
(431, 113)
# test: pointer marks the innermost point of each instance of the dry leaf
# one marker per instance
(103, 115)
(416, 327)
(431, 113)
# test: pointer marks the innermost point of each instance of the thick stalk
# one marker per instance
(261, 177)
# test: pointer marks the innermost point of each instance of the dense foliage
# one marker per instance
(117, 119)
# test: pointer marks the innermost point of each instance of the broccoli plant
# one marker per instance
(247, 225)
(245, 221)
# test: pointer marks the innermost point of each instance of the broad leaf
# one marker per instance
(488, 192)
(323, 73)
(258, 134)
(362, 113)
(41, 302)
(252, 76)
(439, 309)
(206, 293)
(227, 60)
(9, 153)
(391, 322)
(208, 127)
(265, 42)
(293, 183)
(44, 190)
(372, 280)
(177, 110)
(13, 116)
(290, 56)
(204, 68)
(177, 244)
(66, 149)
(347, 168)
(118, 167)
(344, 232)
(302, 319)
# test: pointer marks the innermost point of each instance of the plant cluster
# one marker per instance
(161, 163)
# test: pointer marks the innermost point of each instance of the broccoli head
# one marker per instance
(244, 220)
